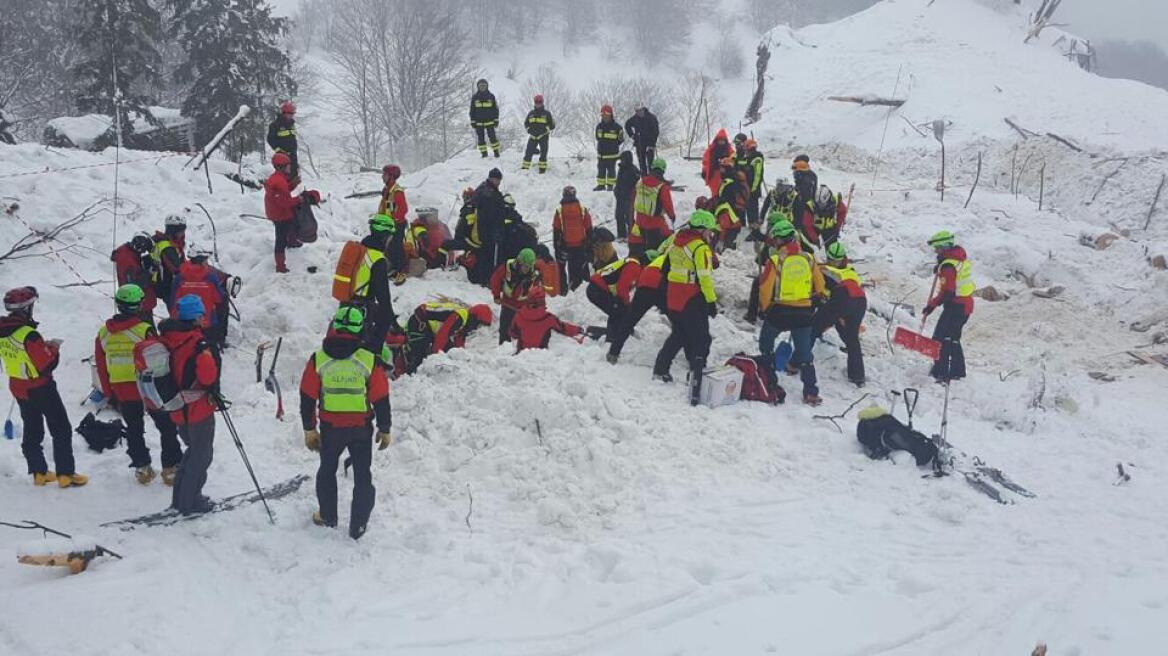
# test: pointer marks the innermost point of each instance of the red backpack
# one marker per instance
(758, 382)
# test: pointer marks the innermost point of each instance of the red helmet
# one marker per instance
(539, 98)
(750, 144)
(392, 170)
(536, 297)
(20, 298)
(468, 193)
(606, 109)
(281, 159)
(482, 313)
(288, 107)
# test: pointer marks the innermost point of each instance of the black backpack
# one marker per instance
(881, 434)
(304, 222)
(101, 435)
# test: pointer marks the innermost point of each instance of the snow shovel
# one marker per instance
(783, 355)
(910, 396)
(917, 342)
(9, 428)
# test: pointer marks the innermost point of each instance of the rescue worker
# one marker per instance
(806, 181)
(517, 233)
(611, 289)
(765, 246)
(133, 265)
(511, 284)
(484, 117)
(730, 205)
(197, 277)
(393, 204)
(791, 283)
(282, 139)
(643, 129)
(820, 221)
(489, 209)
(952, 291)
(623, 192)
(571, 229)
(280, 207)
(533, 325)
(113, 352)
(753, 163)
(371, 292)
(167, 255)
(609, 137)
(652, 202)
(438, 326)
(649, 293)
(781, 198)
(539, 125)
(690, 300)
(29, 360)
(718, 150)
(429, 236)
(466, 236)
(351, 389)
(195, 364)
(845, 308)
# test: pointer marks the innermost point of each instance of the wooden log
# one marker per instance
(868, 100)
(1156, 199)
(1106, 179)
(976, 178)
(1026, 134)
(1065, 142)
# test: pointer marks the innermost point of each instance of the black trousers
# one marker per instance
(358, 441)
(691, 333)
(134, 413)
(44, 406)
(645, 155)
(192, 471)
(624, 214)
(506, 316)
(752, 217)
(612, 308)
(575, 265)
(396, 251)
(643, 301)
(951, 364)
(283, 233)
(482, 134)
(846, 314)
(486, 259)
(606, 170)
(537, 145)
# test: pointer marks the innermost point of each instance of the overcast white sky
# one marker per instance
(1132, 20)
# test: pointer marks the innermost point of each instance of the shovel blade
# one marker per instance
(917, 342)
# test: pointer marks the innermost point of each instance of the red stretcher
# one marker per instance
(917, 342)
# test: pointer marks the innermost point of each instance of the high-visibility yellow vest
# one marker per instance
(842, 274)
(645, 201)
(965, 286)
(472, 221)
(344, 382)
(388, 204)
(612, 268)
(795, 277)
(729, 209)
(361, 287)
(156, 255)
(119, 351)
(17, 363)
(824, 222)
(441, 306)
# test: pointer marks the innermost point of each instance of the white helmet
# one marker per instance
(175, 220)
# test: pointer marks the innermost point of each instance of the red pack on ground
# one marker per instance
(758, 384)
(917, 342)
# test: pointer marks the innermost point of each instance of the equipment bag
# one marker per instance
(881, 433)
(156, 381)
(304, 223)
(759, 383)
(101, 435)
(345, 276)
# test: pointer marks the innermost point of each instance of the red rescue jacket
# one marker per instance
(44, 355)
(195, 367)
(279, 203)
(533, 327)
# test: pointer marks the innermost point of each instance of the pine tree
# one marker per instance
(120, 57)
(233, 58)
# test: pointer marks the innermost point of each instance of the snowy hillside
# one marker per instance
(550, 503)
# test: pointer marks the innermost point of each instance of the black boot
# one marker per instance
(696, 368)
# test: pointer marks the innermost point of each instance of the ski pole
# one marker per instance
(9, 428)
(243, 455)
(945, 416)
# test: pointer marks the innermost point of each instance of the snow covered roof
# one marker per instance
(82, 131)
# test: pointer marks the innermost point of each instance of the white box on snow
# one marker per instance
(721, 386)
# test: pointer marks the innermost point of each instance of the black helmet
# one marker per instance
(481, 82)
(142, 243)
(602, 234)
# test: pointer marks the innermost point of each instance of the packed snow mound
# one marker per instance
(958, 61)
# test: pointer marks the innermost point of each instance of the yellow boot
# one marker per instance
(319, 521)
(41, 480)
(75, 480)
(168, 474)
(144, 474)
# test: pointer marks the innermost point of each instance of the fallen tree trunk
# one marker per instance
(1156, 199)
(869, 100)
(754, 110)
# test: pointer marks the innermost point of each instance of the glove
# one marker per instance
(312, 440)
(313, 196)
(712, 310)
(384, 439)
(927, 311)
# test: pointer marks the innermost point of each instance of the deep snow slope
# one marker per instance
(626, 522)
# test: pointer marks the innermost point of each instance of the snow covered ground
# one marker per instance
(609, 517)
